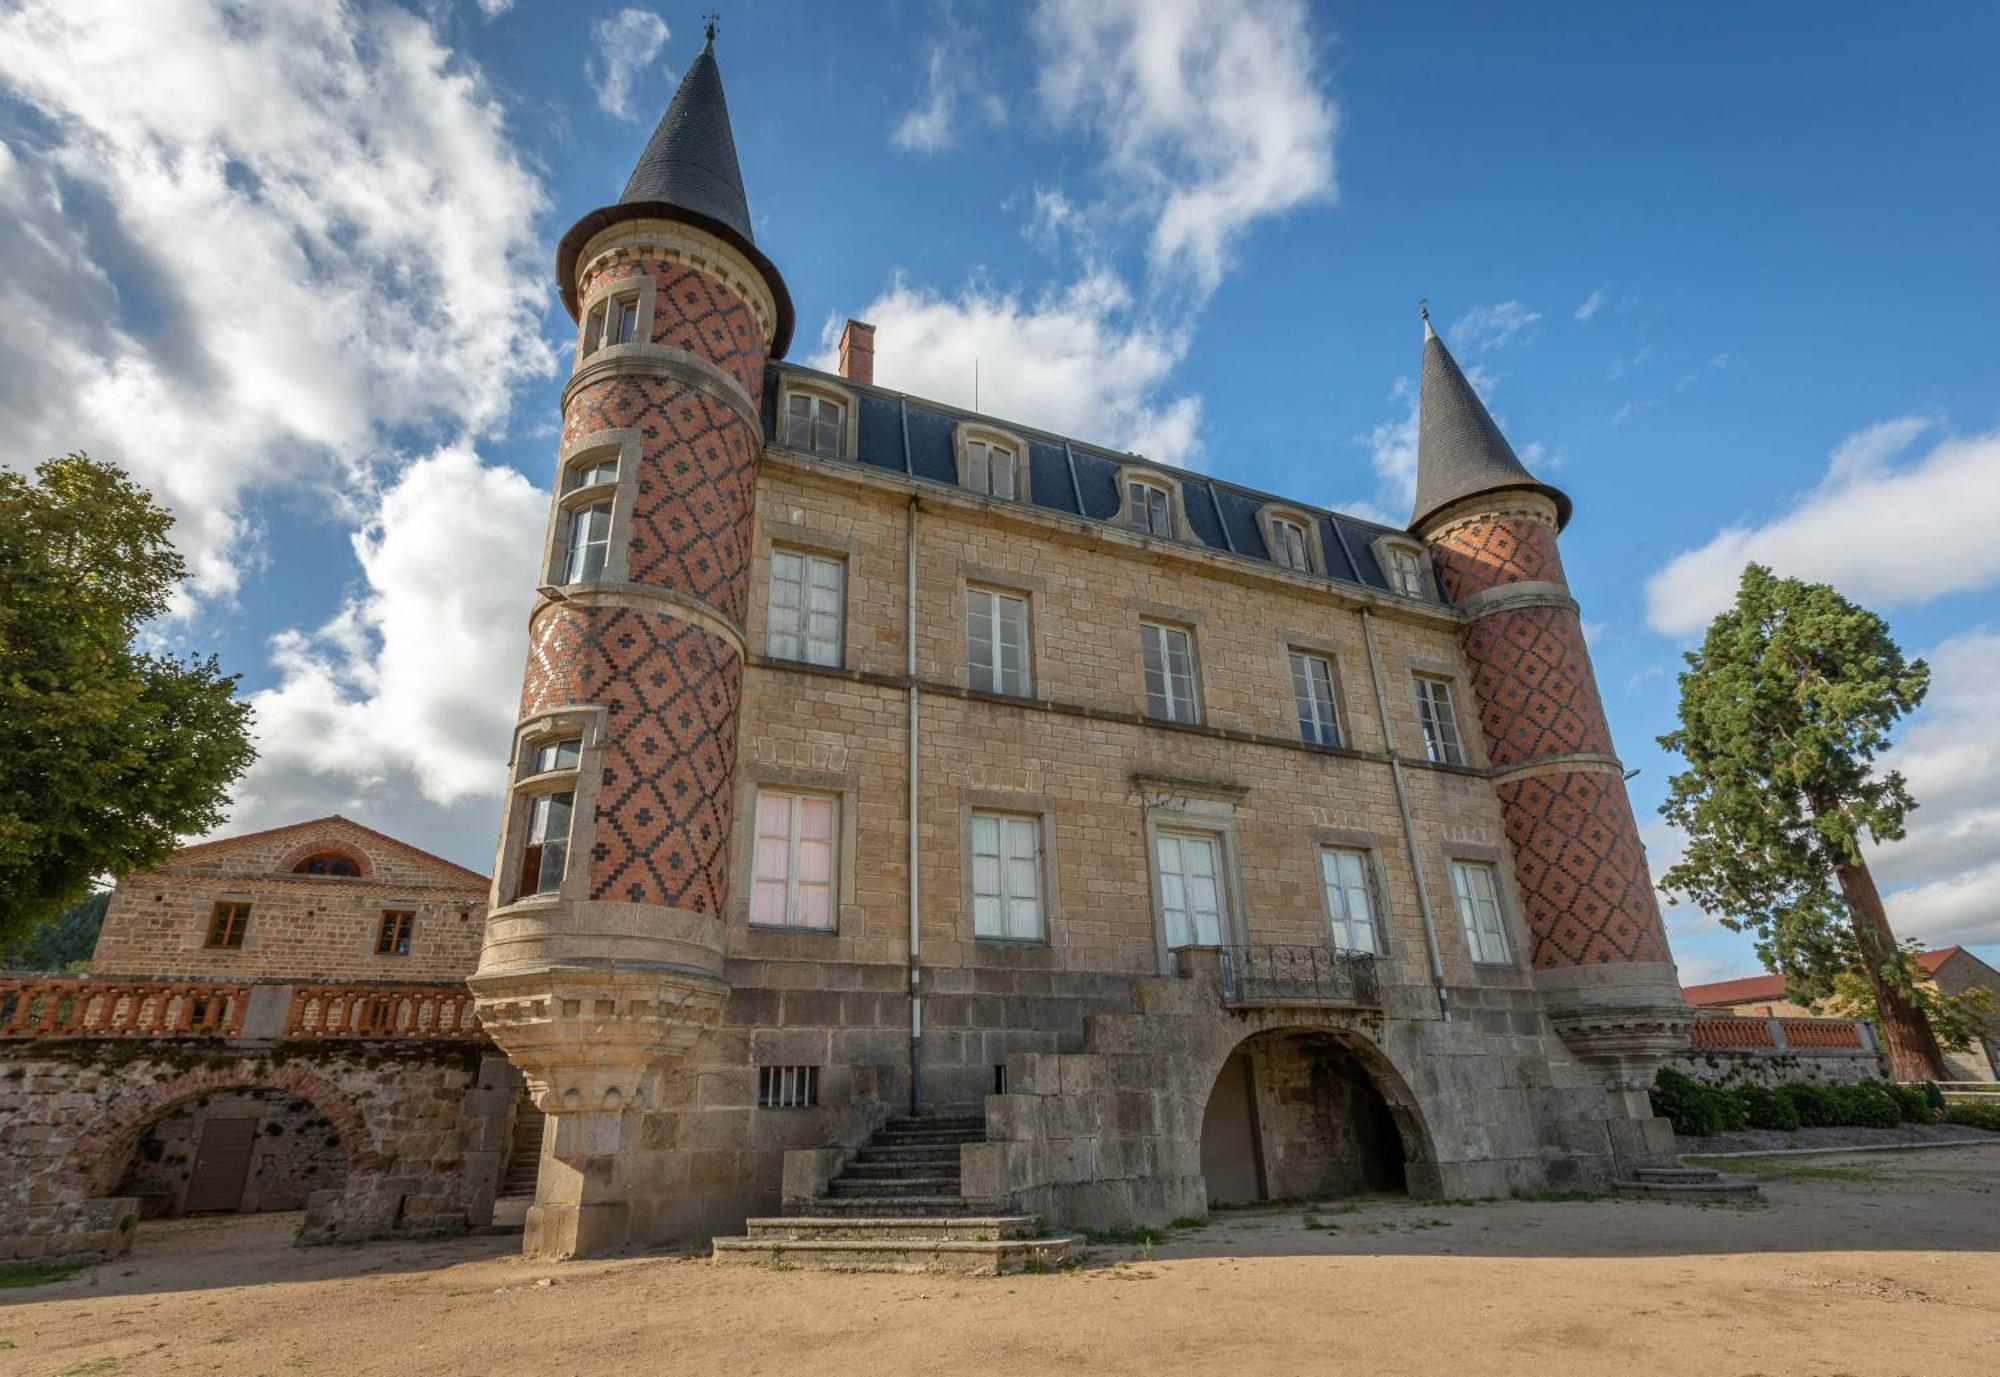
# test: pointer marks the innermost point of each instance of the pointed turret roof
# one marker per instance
(1460, 451)
(689, 173)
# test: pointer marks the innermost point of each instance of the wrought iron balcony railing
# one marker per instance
(1264, 974)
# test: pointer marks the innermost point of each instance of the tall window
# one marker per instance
(992, 468)
(227, 924)
(1006, 877)
(546, 855)
(1350, 900)
(814, 422)
(805, 608)
(1406, 573)
(793, 882)
(589, 542)
(1169, 663)
(996, 638)
(1288, 544)
(393, 937)
(590, 472)
(1190, 875)
(1312, 690)
(1478, 899)
(1440, 723)
(1152, 508)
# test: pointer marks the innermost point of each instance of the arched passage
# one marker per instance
(234, 1152)
(1307, 1112)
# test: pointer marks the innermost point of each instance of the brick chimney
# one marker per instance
(857, 352)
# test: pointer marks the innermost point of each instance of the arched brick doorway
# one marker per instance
(1307, 1113)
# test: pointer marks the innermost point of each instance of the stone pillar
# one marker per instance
(1600, 951)
(593, 987)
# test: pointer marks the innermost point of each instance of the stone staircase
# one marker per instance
(524, 1152)
(895, 1206)
(1700, 1185)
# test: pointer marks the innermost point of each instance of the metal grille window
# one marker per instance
(792, 885)
(1312, 691)
(813, 422)
(1350, 899)
(590, 472)
(1472, 885)
(558, 755)
(805, 608)
(1152, 508)
(1288, 545)
(991, 468)
(589, 543)
(996, 639)
(393, 939)
(1440, 722)
(787, 1087)
(546, 855)
(1006, 877)
(1169, 664)
(1406, 573)
(227, 923)
(1191, 900)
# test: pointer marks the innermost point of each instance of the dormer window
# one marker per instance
(1291, 537)
(1150, 508)
(588, 473)
(814, 422)
(1403, 565)
(992, 462)
(1288, 544)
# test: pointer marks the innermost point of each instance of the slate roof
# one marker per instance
(1460, 451)
(909, 435)
(688, 172)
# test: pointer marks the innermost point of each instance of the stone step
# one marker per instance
(876, 1156)
(969, 1228)
(915, 1137)
(934, 1123)
(842, 1187)
(963, 1256)
(890, 1171)
(882, 1206)
(1722, 1189)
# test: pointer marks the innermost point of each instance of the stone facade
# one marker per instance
(300, 926)
(295, 1152)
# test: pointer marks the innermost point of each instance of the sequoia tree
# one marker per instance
(110, 753)
(1783, 710)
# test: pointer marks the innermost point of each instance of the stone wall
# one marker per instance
(1780, 1067)
(296, 1152)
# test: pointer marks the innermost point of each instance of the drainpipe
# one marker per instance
(916, 938)
(1403, 807)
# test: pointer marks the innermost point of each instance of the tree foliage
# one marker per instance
(1783, 710)
(109, 753)
(1957, 1020)
(62, 943)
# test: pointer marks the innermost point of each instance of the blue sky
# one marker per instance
(1725, 275)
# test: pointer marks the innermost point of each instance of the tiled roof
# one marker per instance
(1754, 987)
(1460, 451)
(201, 848)
(912, 436)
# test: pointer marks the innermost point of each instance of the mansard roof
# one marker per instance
(688, 172)
(912, 436)
(1460, 451)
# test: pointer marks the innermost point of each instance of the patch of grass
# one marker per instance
(1191, 1221)
(1465, 1200)
(1107, 1238)
(89, 1369)
(781, 1266)
(1036, 1267)
(1793, 1170)
(38, 1275)
(1551, 1197)
(1313, 1221)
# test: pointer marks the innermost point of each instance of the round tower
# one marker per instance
(603, 951)
(1599, 949)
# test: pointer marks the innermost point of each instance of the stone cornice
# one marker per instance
(674, 242)
(643, 597)
(1581, 763)
(1508, 597)
(1487, 507)
(665, 361)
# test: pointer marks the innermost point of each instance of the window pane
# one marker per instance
(1002, 470)
(798, 420)
(826, 434)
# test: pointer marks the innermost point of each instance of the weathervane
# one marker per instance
(710, 20)
(1424, 307)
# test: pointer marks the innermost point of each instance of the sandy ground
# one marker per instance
(1875, 1263)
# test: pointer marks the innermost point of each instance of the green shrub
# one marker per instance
(1972, 1115)
(1914, 1102)
(1817, 1106)
(1766, 1108)
(1695, 1110)
(1868, 1104)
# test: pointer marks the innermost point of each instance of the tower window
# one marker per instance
(589, 473)
(621, 325)
(1168, 660)
(558, 755)
(589, 543)
(1151, 508)
(1439, 721)
(545, 858)
(393, 937)
(814, 422)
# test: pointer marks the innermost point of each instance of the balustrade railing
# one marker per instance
(45, 1006)
(1739, 1033)
(1266, 974)
(372, 1011)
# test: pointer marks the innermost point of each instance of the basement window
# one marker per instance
(787, 1087)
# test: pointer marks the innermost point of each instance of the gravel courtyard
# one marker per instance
(1859, 1264)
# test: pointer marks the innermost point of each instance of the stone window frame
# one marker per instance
(1468, 745)
(1384, 543)
(203, 936)
(1042, 808)
(850, 422)
(1175, 621)
(1270, 514)
(584, 782)
(1316, 648)
(645, 287)
(625, 444)
(1194, 808)
(845, 790)
(1370, 846)
(1129, 474)
(372, 938)
(965, 432)
(1512, 920)
(807, 543)
(984, 584)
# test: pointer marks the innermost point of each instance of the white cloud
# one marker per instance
(1392, 445)
(1212, 115)
(1886, 534)
(1489, 326)
(1592, 304)
(1076, 360)
(1719, 362)
(926, 127)
(322, 238)
(494, 8)
(627, 43)
(1621, 366)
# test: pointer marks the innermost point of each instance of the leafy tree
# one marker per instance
(63, 943)
(1783, 709)
(1956, 1020)
(109, 753)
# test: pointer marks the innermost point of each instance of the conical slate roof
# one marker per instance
(1460, 451)
(689, 173)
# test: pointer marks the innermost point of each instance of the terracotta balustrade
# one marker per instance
(1726, 1033)
(1838, 1034)
(1732, 1033)
(58, 1007)
(378, 1011)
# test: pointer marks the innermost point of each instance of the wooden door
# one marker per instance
(221, 1164)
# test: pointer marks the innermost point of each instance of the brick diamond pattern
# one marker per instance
(693, 311)
(671, 692)
(1582, 871)
(691, 522)
(1536, 692)
(1508, 549)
